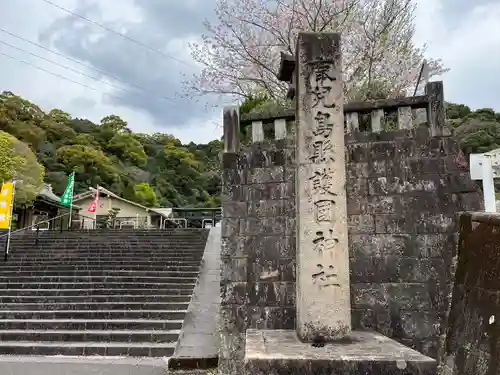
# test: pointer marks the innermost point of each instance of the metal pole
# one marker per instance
(10, 218)
(71, 202)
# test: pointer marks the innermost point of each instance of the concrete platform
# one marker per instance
(362, 352)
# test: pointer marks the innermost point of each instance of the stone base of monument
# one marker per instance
(362, 352)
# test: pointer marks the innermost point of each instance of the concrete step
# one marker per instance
(135, 349)
(75, 299)
(116, 247)
(85, 267)
(94, 292)
(106, 239)
(89, 324)
(82, 306)
(93, 314)
(104, 263)
(114, 264)
(64, 254)
(98, 279)
(40, 273)
(97, 286)
(96, 336)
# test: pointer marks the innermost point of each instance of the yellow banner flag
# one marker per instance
(6, 195)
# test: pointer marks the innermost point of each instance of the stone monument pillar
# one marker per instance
(323, 290)
(323, 342)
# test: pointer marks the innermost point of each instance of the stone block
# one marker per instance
(382, 150)
(272, 293)
(231, 193)
(234, 269)
(434, 245)
(233, 294)
(379, 204)
(379, 246)
(264, 317)
(368, 353)
(394, 224)
(230, 227)
(229, 160)
(397, 185)
(458, 183)
(360, 224)
(427, 165)
(357, 170)
(267, 191)
(267, 208)
(264, 175)
(234, 246)
(262, 226)
(374, 270)
(358, 153)
(234, 209)
(356, 187)
(435, 223)
(234, 176)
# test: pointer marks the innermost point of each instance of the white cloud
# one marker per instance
(470, 48)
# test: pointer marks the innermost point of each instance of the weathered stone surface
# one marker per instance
(472, 343)
(369, 353)
(323, 305)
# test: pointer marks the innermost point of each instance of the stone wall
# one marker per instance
(404, 189)
(258, 245)
(473, 340)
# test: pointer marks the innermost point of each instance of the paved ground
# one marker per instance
(34, 365)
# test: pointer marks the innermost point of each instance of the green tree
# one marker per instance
(18, 162)
(145, 195)
(127, 148)
(92, 166)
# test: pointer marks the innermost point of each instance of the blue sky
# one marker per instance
(465, 34)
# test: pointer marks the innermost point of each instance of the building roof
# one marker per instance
(47, 195)
(165, 212)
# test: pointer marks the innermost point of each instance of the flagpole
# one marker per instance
(71, 201)
(10, 218)
(96, 203)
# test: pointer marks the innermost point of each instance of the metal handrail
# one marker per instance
(35, 225)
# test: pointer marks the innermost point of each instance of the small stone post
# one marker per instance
(323, 291)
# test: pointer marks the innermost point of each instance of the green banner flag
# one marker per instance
(67, 197)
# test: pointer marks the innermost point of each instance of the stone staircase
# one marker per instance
(106, 293)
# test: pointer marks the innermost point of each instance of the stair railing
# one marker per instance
(55, 223)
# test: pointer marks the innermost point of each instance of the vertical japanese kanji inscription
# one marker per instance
(323, 303)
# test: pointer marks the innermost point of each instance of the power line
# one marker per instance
(80, 63)
(118, 33)
(74, 70)
(60, 76)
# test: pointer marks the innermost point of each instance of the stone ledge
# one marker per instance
(362, 352)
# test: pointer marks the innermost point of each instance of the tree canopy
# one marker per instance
(18, 162)
(240, 50)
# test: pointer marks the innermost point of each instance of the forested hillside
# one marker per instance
(152, 169)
